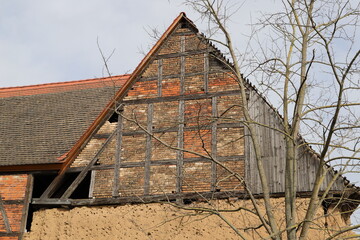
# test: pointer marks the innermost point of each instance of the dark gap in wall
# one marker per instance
(66, 182)
(114, 118)
(82, 191)
(41, 182)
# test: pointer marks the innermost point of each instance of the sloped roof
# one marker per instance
(40, 123)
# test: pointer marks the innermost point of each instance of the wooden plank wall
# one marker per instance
(273, 153)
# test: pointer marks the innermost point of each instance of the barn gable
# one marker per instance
(181, 111)
(162, 134)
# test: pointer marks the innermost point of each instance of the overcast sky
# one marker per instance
(44, 41)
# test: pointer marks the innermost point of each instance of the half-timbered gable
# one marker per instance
(183, 110)
(162, 135)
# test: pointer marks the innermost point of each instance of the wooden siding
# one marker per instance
(272, 144)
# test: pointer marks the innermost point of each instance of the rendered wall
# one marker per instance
(162, 221)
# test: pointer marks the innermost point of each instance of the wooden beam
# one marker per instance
(148, 151)
(83, 173)
(160, 163)
(182, 97)
(182, 65)
(4, 216)
(159, 79)
(159, 198)
(175, 129)
(180, 145)
(13, 202)
(181, 54)
(206, 72)
(119, 129)
(92, 181)
(138, 199)
(11, 234)
(183, 33)
(169, 76)
(214, 142)
(27, 200)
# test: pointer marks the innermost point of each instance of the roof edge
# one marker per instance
(31, 167)
(45, 87)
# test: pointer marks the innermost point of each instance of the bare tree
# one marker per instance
(312, 68)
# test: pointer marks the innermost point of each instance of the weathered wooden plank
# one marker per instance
(10, 234)
(119, 129)
(180, 145)
(183, 33)
(182, 66)
(214, 125)
(148, 151)
(181, 54)
(168, 76)
(160, 75)
(83, 173)
(206, 72)
(4, 216)
(138, 199)
(10, 201)
(159, 198)
(27, 200)
(181, 97)
(92, 182)
(157, 163)
(191, 128)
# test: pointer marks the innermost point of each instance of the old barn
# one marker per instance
(155, 135)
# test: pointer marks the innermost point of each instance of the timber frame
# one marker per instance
(261, 111)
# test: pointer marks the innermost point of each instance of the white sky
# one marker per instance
(43, 41)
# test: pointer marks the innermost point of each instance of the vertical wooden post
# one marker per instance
(247, 150)
(150, 112)
(182, 65)
(159, 83)
(206, 72)
(180, 145)
(92, 184)
(180, 137)
(213, 142)
(27, 200)
(119, 129)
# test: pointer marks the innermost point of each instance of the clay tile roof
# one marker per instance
(40, 123)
